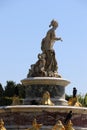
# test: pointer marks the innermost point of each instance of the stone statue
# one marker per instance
(48, 42)
(46, 66)
(69, 126)
(2, 125)
(46, 99)
(58, 126)
(38, 69)
(35, 125)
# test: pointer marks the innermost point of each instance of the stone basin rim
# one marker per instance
(45, 81)
(26, 108)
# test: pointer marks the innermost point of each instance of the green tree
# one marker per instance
(81, 99)
(85, 100)
(10, 89)
(1, 90)
(21, 90)
(67, 97)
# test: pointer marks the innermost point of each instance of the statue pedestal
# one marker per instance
(36, 86)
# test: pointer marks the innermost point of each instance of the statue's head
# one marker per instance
(53, 23)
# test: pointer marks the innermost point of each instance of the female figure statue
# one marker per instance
(48, 41)
(46, 66)
(47, 48)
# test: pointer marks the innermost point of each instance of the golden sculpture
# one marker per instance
(58, 126)
(2, 125)
(74, 102)
(35, 125)
(16, 100)
(69, 126)
(46, 99)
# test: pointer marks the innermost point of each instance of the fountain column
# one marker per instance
(55, 86)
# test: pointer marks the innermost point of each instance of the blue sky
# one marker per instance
(23, 24)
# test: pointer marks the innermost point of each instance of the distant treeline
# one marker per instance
(9, 91)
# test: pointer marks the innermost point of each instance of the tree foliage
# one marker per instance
(9, 91)
(85, 100)
(1, 90)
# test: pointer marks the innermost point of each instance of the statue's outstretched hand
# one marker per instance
(60, 39)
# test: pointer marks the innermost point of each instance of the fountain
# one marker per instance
(45, 103)
(44, 75)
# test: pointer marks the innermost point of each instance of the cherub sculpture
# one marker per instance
(58, 126)
(38, 69)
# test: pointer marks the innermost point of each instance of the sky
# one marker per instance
(24, 23)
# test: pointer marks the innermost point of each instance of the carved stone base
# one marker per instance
(36, 86)
(34, 101)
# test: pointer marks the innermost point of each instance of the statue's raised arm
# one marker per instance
(48, 42)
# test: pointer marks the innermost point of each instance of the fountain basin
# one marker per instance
(20, 117)
(45, 81)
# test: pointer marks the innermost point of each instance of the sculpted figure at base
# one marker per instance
(2, 125)
(46, 99)
(46, 66)
(69, 126)
(73, 101)
(16, 100)
(35, 125)
(38, 69)
(58, 126)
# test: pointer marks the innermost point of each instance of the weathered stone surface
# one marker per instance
(22, 116)
(45, 81)
(55, 86)
(46, 65)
